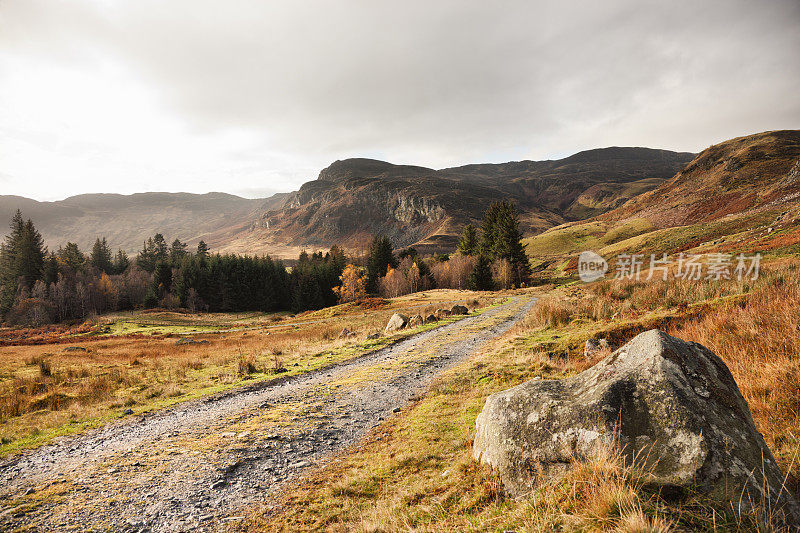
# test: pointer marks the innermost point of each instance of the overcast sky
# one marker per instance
(253, 97)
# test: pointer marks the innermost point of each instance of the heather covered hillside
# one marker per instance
(741, 195)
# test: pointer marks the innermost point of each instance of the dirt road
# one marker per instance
(192, 467)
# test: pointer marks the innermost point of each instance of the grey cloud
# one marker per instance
(442, 83)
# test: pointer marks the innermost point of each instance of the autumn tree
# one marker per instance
(393, 284)
(503, 273)
(353, 285)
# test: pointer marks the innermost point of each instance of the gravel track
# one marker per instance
(192, 466)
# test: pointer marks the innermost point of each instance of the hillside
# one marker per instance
(352, 200)
(356, 198)
(737, 196)
(126, 220)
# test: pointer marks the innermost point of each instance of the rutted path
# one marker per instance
(189, 467)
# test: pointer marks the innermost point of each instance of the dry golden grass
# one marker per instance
(45, 390)
(416, 472)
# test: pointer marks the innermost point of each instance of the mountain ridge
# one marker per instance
(352, 199)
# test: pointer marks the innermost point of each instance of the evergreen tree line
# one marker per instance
(38, 286)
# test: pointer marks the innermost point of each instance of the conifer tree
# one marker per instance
(468, 244)
(71, 257)
(481, 277)
(177, 252)
(121, 262)
(502, 239)
(202, 250)
(9, 276)
(100, 258)
(379, 261)
(160, 248)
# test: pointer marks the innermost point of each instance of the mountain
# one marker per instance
(736, 177)
(126, 220)
(738, 196)
(352, 200)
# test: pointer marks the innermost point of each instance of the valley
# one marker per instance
(306, 414)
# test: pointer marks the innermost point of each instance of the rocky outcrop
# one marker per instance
(396, 323)
(671, 407)
(459, 310)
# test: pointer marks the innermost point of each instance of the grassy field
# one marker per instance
(417, 472)
(63, 382)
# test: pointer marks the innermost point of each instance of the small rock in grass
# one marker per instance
(396, 323)
(415, 321)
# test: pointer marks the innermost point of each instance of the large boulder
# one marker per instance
(669, 406)
(396, 323)
(459, 310)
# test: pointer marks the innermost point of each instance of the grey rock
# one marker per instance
(669, 406)
(415, 321)
(396, 323)
(430, 318)
(442, 313)
(74, 349)
(459, 310)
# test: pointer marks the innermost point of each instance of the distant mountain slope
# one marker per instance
(356, 198)
(738, 196)
(352, 200)
(126, 220)
(733, 177)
